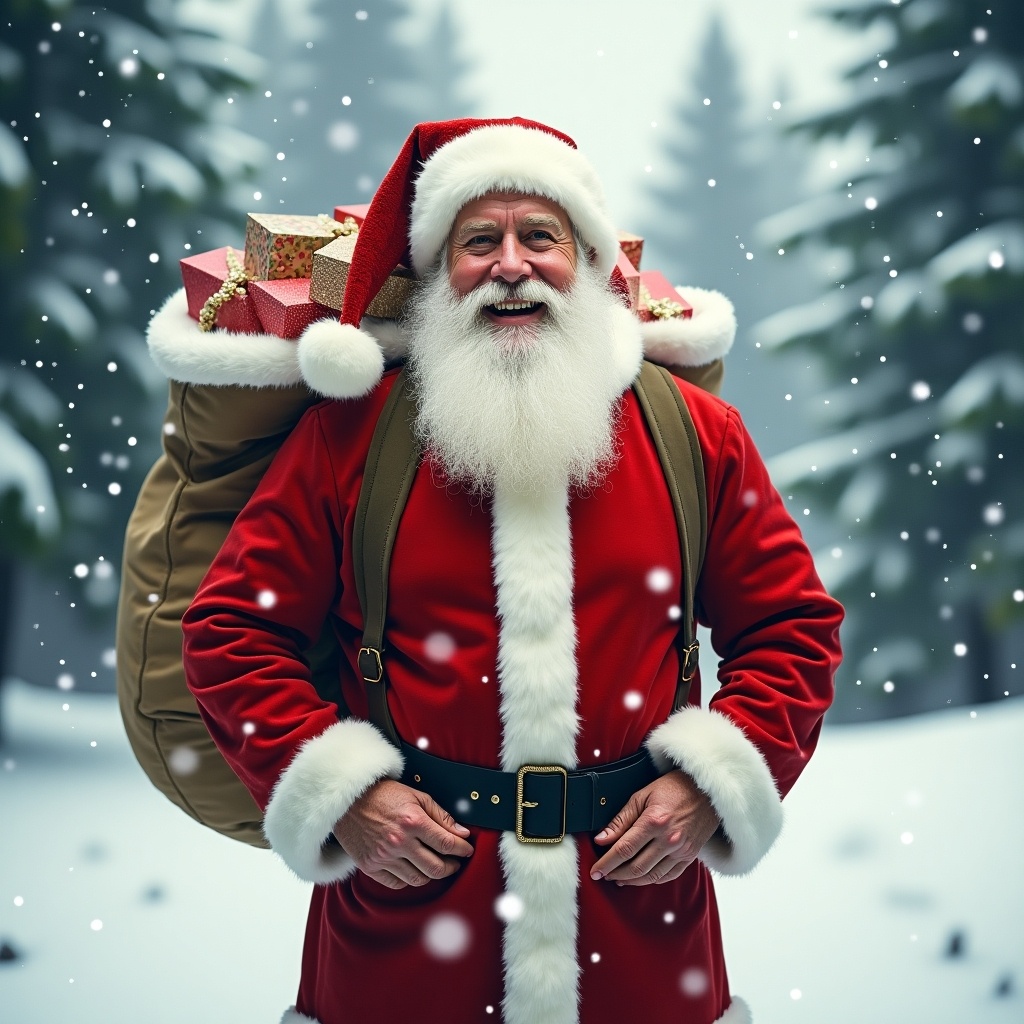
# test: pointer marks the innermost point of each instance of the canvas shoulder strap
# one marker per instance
(675, 439)
(391, 465)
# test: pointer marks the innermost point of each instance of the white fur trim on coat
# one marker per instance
(696, 340)
(508, 158)
(324, 779)
(292, 1016)
(738, 1013)
(185, 353)
(725, 765)
(537, 674)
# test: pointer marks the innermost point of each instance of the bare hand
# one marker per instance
(658, 834)
(400, 836)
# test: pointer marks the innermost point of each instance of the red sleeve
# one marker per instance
(263, 601)
(772, 623)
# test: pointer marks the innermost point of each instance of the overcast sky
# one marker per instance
(608, 72)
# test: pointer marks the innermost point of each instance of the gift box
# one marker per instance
(629, 285)
(216, 291)
(330, 272)
(357, 213)
(659, 300)
(633, 247)
(284, 307)
(281, 245)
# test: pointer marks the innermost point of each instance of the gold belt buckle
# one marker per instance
(540, 769)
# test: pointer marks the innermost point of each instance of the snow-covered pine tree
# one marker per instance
(344, 90)
(728, 164)
(112, 163)
(921, 332)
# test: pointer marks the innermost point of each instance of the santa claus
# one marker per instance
(532, 621)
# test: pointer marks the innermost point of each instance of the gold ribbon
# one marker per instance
(661, 309)
(234, 284)
(347, 227)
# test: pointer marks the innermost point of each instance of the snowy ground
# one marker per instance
(901, 835)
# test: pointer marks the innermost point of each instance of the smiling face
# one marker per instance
(510, 239)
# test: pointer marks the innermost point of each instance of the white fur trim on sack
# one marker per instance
(696, 340)
(324, 779)
(508, 158)
(537, 675)
(725, 765)
(185, 353)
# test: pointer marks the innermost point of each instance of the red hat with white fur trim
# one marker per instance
(443, 166)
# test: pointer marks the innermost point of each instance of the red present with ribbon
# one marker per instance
(633, 246)
(284, 307)
(356, 212)
(215, 286)
(659, 300)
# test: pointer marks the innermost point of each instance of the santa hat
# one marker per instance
(443, 166)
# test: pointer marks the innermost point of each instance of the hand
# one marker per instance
(400, 836)
(658, 834)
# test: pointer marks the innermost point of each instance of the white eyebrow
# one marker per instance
(472, 226)
(543, 220)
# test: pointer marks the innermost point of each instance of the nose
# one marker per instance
(511, 264)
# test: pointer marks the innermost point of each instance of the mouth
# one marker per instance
(513, 312)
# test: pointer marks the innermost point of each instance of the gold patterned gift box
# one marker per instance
(330, 272)
(281, 245)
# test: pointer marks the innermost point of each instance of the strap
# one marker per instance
(675, 439)
(391, 465)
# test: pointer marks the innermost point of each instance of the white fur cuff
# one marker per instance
(185, 353)
(723, 763)
(324, 779)
(738, 1013)
(696, 340)
(292, 1016)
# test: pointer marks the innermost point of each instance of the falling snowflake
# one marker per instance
(920, 390)
(65, 682)
(439, 647)
(994, 514)
(632, 700)
(509, 907)
(183, 761)
(446, 936)
(266, 599)
(659, 580)
(694, 982)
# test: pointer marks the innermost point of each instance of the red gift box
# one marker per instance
(284, 307)
(633, 246)
(203, 275)
(659, 300)
(629, 286)
(357, 213)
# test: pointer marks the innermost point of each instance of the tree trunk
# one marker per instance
(980, 663)
(7, 583)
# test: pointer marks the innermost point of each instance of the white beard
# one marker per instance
(527, 408)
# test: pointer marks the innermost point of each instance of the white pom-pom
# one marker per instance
(696, 340)
(339, 360)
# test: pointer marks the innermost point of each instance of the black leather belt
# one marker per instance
(540, 803)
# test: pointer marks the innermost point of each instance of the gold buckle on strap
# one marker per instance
(541, 769)
(369, 660)
(691, 658)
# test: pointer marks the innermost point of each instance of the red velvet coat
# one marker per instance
(465, 643)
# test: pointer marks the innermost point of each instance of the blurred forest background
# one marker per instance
(869, 228)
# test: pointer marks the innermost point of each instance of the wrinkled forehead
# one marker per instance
(495, 209)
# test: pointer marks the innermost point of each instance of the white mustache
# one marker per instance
(493, 292)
